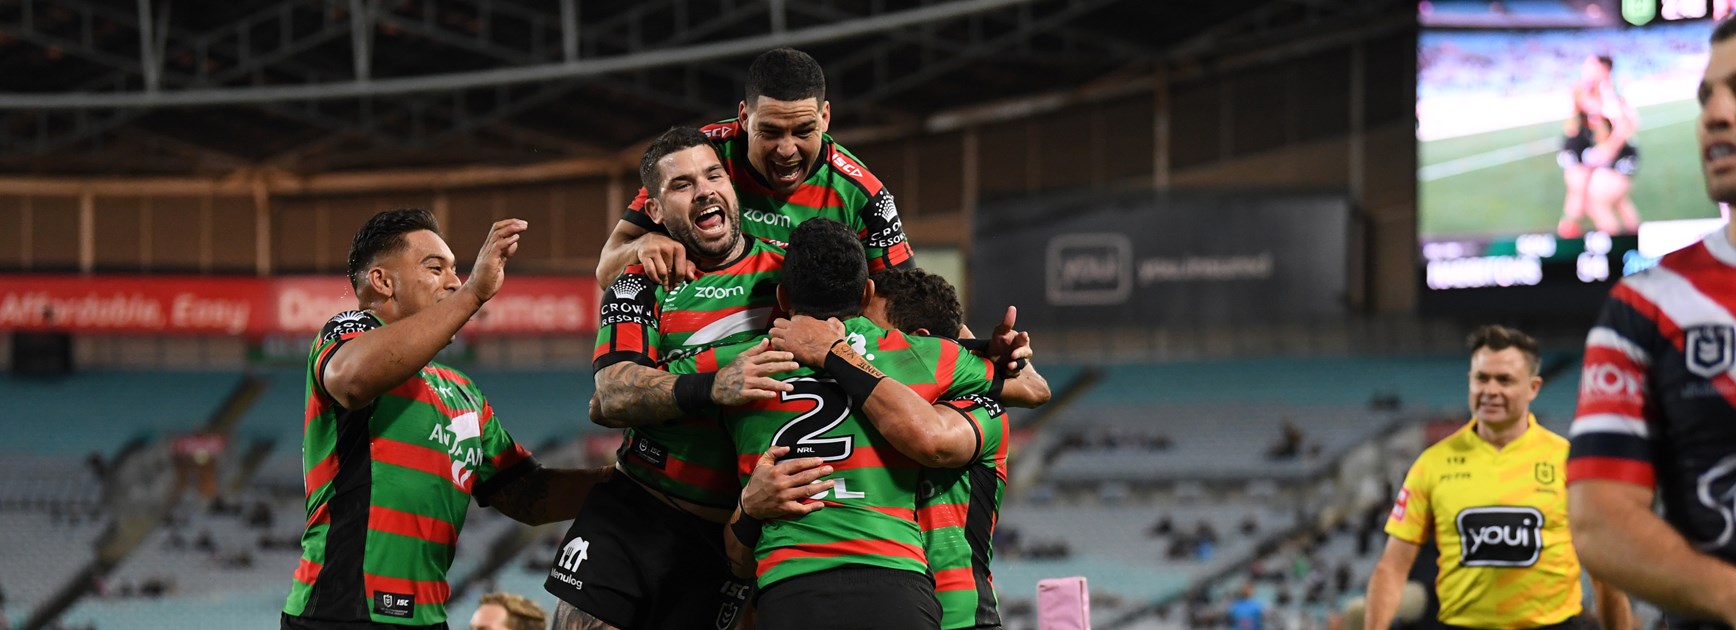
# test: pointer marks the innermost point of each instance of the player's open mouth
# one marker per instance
(786, 173)
(710, 219)
(1717, 153)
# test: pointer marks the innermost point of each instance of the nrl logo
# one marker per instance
(1709, 349)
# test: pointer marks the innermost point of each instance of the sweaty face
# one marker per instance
(697, 204)
(783, 139)
(422, 272)
(1717, 128)
(1502, 386)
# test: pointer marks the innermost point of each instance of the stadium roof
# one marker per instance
(163, 87)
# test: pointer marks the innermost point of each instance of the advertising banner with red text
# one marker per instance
(230, 305)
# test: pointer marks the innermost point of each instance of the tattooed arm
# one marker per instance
(569, 618)
(630, 394)
(548, 495)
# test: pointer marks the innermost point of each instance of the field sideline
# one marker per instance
(1507, 182)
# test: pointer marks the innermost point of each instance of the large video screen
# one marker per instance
(1556, 143)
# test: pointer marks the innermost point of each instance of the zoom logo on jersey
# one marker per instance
(718, 293)
(1500, 536)
(768, 218)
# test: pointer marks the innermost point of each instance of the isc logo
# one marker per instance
(1500, 536)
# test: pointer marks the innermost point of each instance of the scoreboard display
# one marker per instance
(1556, 149)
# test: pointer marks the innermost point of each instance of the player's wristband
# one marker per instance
(746, 528)
(855, 375)
(978, 346)
(693, 391)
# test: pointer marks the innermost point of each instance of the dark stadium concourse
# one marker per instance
(119, 87)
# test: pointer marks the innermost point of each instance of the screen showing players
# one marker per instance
(1555, 139)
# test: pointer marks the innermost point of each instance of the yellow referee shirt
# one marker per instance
(1500, 520)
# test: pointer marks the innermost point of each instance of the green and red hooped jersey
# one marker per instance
(641, 322)
(870, 516)
(388, 487)
(957, 509)
(840, 189)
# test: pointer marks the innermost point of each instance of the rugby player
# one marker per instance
(646, 552)
(786, 170)
(1492, 497)
(863, 554)
(1657, 405)
(396, 445)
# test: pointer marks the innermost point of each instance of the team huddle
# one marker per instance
(806, 418)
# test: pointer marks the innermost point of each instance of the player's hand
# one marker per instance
(809, 340)
(749, 376)
(1010, 348)
(489, 273)
(781, 489)
(664, 259)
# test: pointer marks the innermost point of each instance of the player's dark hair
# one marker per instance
(1497, 337)
(1607, 61)
(384, 234)
(785, 74)
(674, 140)
(825, 271)
(1725, 30)
(919, 299)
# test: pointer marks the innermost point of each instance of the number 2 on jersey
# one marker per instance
(802, 435)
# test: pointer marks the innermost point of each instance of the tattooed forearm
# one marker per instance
(632, 395)
(569, 618)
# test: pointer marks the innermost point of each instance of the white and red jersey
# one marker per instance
(1657, 400)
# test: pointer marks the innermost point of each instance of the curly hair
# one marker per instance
(825, 271)
(917, 299)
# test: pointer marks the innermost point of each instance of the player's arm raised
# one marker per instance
(933, 435)
(1011, 351)
(1624, 544)
(378, 360)
(630, 394)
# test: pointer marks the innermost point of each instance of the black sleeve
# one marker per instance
(501, 479)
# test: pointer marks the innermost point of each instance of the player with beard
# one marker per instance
(646, 551)
(786, 170)
(1657, 405)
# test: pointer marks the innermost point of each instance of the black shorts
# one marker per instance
(1573, 148)
(855, 598)
(289, 622)
(639, 564)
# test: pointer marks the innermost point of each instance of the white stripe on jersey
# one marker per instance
(1678, 299)
(748, 320)
(1607, 423)
(1606, 337)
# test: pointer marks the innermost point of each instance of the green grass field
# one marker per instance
(1507, 182)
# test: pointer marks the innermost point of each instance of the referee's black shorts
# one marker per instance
(851, 598)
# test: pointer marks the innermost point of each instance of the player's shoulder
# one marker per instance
(973, 402)
(630, 285)
(348, 324)
(722, 131)
(1550, 439)
(851, 169)
(770, 246)
(1456, 445)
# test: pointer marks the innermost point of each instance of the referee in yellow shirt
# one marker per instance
(1492, 496)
